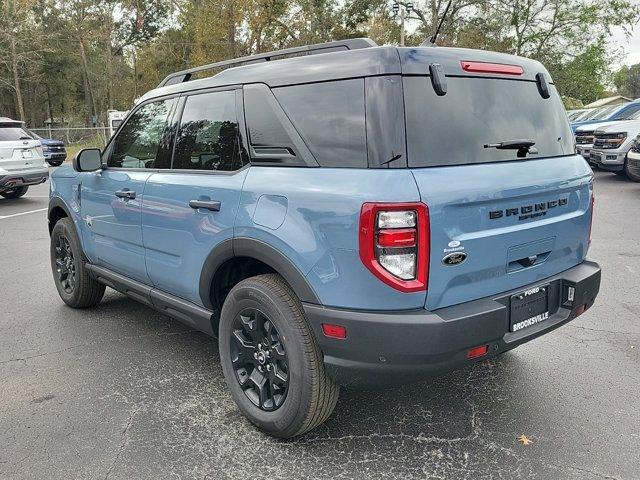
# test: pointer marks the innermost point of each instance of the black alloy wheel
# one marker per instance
(65, 266)
(259, 360)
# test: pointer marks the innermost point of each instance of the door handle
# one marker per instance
(126, 194)
(212, 205)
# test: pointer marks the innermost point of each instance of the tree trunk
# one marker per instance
(88, 91)
(16, 80)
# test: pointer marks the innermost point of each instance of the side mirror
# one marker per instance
(87, 160)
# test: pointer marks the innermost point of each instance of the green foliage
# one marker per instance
(75, 59)
(627, 81)
(584, 77)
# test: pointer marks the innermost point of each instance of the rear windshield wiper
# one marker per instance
(522, 146)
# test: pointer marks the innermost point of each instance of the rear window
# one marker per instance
(13, 134)
(453, 129)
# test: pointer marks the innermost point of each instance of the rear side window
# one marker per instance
(453, 129)
(331, 120)
(208, 134)
(138, 142)
(11, 134)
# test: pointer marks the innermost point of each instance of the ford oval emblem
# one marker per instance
(455, 258)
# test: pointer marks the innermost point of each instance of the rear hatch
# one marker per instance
(18, 151)
(500, 218)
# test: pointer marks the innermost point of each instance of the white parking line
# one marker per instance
(2, 217)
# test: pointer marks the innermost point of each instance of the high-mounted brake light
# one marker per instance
(486, 67)
(394, 243)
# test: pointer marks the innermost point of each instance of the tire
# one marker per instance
(630, 175)
(309, 396)
(15, 192)
(55, 163)
(73, 282)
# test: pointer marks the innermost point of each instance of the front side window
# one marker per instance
(208, 134)
(138, 142)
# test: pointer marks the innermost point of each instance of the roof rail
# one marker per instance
(348, 44)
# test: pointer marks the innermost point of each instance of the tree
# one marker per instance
(627, 81)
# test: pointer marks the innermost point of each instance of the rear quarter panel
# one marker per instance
(311, 215)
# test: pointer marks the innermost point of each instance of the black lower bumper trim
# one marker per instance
(11, 181)
(385, 348)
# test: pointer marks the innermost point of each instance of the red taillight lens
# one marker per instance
(394, 243)
(400, 237)
(486, 67)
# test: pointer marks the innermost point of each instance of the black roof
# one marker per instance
(360, 62)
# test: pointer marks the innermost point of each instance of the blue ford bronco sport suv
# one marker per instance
(337, 214)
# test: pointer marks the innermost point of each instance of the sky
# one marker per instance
(630, 46)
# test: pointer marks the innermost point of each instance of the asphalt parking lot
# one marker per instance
(121, 391)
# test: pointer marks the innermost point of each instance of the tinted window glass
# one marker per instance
(453, 129)
(628, 114)
(330, 118)
(208, 135)
(12, 134)
(138, 142)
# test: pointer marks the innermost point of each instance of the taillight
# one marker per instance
(487, 67)
(593, 202)
(394, 243)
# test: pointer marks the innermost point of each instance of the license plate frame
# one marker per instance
(529, 307)
(27, 153)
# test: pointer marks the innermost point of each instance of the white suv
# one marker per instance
(21, 160)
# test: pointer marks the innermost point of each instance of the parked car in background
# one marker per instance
(584, 135)
(114, 120)
(54, 150)
(633, 160)
(609, 114)
(573, 114)
(611, 145)
(22, 160)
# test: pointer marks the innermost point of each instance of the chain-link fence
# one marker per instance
(76, 138)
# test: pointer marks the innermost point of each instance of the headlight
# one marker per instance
(45, 148)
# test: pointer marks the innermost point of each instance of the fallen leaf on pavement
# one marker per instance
(524, 440)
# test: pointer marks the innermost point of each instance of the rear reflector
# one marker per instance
(485, 67)
(334, 331)
(476, 352)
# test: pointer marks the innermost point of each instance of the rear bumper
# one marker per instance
(385, 348)
(26, 178)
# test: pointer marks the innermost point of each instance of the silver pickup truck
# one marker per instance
(611, 147)
(22, 160)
